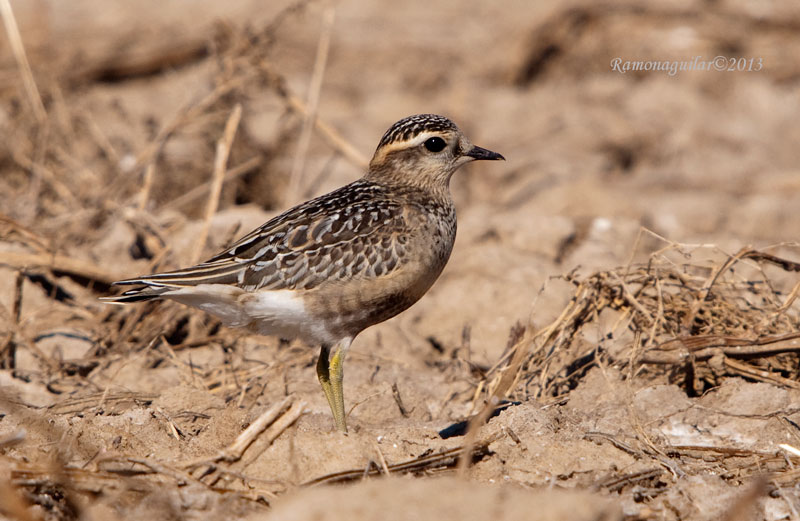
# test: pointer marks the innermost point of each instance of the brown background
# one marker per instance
(706, 161)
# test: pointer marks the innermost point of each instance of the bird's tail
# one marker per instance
(138, 294)
(157, 284)
(218, 299)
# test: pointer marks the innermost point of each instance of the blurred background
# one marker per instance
(111, 112)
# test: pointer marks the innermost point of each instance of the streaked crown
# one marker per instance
(412, 126)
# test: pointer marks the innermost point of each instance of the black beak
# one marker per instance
(482, 153)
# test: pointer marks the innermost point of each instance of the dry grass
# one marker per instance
(672, 319)
(690, 315)
(695, 321)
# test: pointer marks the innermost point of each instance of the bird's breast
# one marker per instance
(353, 305)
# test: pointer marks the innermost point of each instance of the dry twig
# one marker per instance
(202, 190)
(429, 462)
(295, 181)
(223, 150)
(18, 49)
(235, 451)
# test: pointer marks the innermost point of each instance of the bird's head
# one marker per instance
(424, 151)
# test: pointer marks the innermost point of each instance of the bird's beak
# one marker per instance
(481, 153)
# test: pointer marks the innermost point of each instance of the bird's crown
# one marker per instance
(407, 128)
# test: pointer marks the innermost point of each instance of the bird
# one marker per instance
(328, 268)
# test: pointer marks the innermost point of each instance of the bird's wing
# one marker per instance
(348, 233)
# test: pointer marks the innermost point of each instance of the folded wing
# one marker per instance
(352, 232)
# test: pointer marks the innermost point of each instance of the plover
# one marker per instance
(329, 268)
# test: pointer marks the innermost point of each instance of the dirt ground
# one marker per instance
(614, 337)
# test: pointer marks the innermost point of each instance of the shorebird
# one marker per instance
(329, 268)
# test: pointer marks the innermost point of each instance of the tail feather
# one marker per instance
(137, 295)
(217, 299)
(206, 273)
(157, 284)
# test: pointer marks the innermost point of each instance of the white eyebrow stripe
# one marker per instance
(410, 143)
(424, 136)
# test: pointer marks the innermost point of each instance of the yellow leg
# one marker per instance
(331, 375)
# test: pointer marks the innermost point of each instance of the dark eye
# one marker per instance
(435, 144)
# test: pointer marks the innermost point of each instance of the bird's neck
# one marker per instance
(436, 186)
(414, 188)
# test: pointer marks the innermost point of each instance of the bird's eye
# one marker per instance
(435, 144)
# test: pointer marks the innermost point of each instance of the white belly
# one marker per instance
(270, 312)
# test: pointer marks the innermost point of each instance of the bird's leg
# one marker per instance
(331, 375)
(324, 375)
(337, 378)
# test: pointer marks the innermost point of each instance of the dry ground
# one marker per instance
(615, 336)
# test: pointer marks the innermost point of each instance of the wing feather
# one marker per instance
(355, 231)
